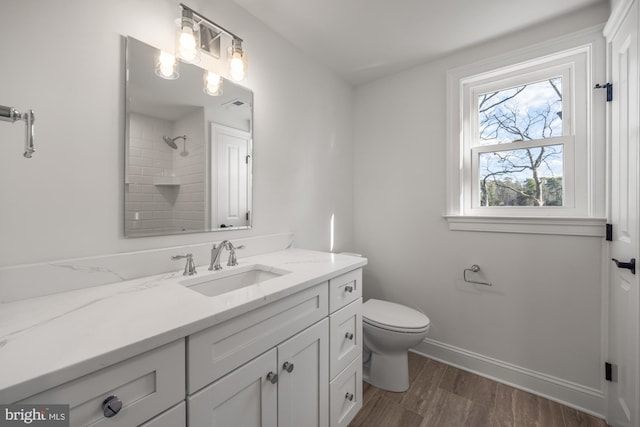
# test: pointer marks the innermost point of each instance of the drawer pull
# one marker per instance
(349, 397)
(272, 378)
(348, 288)
(111, 406)
(348, 336)
(288, 367)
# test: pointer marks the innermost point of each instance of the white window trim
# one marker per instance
(586, 217)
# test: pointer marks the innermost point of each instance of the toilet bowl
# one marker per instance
(390, 330)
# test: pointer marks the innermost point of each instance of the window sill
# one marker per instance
(569, 226)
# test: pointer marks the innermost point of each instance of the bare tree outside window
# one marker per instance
(527, 176)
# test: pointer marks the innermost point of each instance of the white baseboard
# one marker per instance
(586, 399)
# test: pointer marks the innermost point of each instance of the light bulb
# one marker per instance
(166, 67)
(187, 44)
(187, 39)
(236, 67)
(212, 83)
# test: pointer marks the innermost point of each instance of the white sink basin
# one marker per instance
(230, 280)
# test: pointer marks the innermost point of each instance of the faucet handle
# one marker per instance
(231, 247)
(190, 266)
(233, 261)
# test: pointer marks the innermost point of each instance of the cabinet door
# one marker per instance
(246, 397)
(303, 369)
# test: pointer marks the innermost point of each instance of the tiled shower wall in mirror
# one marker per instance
(165, 186)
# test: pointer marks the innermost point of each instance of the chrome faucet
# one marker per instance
(216, 252)
(189, 267)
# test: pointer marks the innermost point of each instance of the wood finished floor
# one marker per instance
(442, 396)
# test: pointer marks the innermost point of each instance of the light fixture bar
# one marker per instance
(210, 22)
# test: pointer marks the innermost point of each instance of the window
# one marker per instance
(522, 154)
(519, 141)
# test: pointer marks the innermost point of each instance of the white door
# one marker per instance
(624, 321)
(247, 397)
(230, 176)
(303, 385)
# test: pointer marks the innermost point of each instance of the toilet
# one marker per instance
(390, 330)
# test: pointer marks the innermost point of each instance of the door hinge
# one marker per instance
(608, 371)
(247, 216)
(246, 159)
(609, 233)
(608, 87)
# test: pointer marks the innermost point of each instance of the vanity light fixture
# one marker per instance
(167, 66)
(198, 34)
(212, 83)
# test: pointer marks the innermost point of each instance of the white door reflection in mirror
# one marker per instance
(230, 201)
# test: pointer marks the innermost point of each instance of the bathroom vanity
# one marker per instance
(275, 341)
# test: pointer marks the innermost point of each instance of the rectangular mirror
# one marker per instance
(188, 154)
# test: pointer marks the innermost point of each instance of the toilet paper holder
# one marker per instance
(475, 268)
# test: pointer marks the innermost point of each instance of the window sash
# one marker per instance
(568, 175)
(565, 71)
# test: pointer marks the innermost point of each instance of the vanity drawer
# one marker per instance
(174, 417)
(345, 289)
(345, 398)
(218, 350)
(146, 384)
(345, 326)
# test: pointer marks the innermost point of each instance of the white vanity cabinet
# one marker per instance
(291, 361)
(285, 387)
(311, 378)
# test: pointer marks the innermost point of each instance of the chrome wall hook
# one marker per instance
(474, 269)
(10, 114)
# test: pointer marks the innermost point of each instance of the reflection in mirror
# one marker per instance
(188, 154)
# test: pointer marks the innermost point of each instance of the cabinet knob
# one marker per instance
(111, 406)
(288, 367)
(348, 288)
(349, 397)
(348, 336)
(272, 378)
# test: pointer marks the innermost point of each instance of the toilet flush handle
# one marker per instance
(348, 288)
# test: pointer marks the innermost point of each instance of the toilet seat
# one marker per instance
(394, 317)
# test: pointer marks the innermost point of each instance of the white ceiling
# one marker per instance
(365, 39)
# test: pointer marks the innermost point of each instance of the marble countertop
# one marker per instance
(49, 340)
